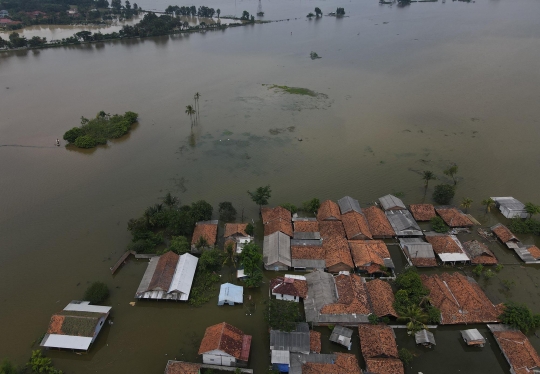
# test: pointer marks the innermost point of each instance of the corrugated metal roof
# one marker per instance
(348, 204)
(453, 257)
(306, 242)
(84, 306)
(424, 336)
(321, 291)
(403, 223)
(391, 202)
(277, 248)
(303, 219)
(229, 292)
(66, 342)
(183, 274)
(306, 236)
(309, 264)
(280, 357)
(294, 341)
(341, 335)
(509, 203)
(472, 335)
(298, 359)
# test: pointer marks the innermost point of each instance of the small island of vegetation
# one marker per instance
(99, 130)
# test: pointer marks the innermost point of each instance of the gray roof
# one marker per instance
(472, 335)
(298, 359)
(277, 249)
(294, 341)
(341, 335)
(389, 263)
(424, 336)
(213, 222)
(308, 263)
(307, 236)
(348, 204)
(403, 223)
(417, 248)
(391, 202)
(509, 203)
(303, 219)
(306, 242)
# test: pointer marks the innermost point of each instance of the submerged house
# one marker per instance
(225, 345)
(379, 349)
(460, 299)
(510, 207)
(403, 223)
(328, 211)
(342, 335)
(289, 288)
(378, 223)
(371, 257)
(530, 254)
(448, 248)
(517, 349)
(390, 202)
(479, 253)
(168, 277)
(181, 367)
(277, 251)
(76, 327)
(348, 204)
(230, 294)
(283, 343)
(506, 236)
(425, 338)
(204, 236)
(235, 233)
(356, 226)
(324, 363)
(418, 252)
(453, 217)
(473, 337)
(422, 212)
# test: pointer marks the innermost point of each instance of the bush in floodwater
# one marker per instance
(85, 141)
(71, 135)
(443, 193)
(478, 269)
(499, 267)
(250, 229)
(406, 356)
(438, 225)
(519, 316)
(97, 293)
(290, 207)
(488, 274)
(312, 205)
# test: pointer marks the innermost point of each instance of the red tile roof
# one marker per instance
(521, 355)
(228, 339)
(369, 255)
(337, 254)
(273, 214)
(289, 286)
(454, 218)
(352, 296)
(314, 341)
(164, 272)
(345, 363)
(328, 210)
(422, 212)
(179, 367)
(207, 231)
(235, 229)
(278, 225)
(377, 341)
(331, 229)
(300, 252)
(378, 223)
(534, 251)
(356, 226)
(479, 253)
(306, 226)
(443, 244)
(503, 233)
(385, 366)
(382, 298)
(460, 299)
(7, 21)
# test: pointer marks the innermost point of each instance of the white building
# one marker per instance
(225, 345)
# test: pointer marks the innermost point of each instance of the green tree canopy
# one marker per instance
(250, 229)
(438, 225)
(211, 260)
(282, 315)
(227, 213)
(251, 258)
(179, 245)
(451, 172)
(7, 367)
(261, 195)
(201, 211)
(312, 205)
(489, 203)
(443, 194)
(97, 293)
(519, 316)
(290, 207)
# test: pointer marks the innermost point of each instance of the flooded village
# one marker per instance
(145, 254)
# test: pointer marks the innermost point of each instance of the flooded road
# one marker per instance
(401, 90)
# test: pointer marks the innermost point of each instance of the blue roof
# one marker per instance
(230, 292)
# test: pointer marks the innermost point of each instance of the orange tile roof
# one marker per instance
(273, 214)
(314, 341)
(378, 223)
(289, 286)
(278, 225)
(479, 253)
(206, 230)
(55, 325)
(385, 366)
(301, 252)
(235, 229)
(328, 210)
(454, 218)
(306, 226)
(164, 272)
(179, 367)
(367, 253)
(443, 244)
(534, 251)
(337, 252)
(352, 296)
(356, 226)
(228, 339)
(382, 298)
(460, 299)
(503, 233)
(377, 341)
(331, 229)
(345, 363)
(422, 212)
(521, 355)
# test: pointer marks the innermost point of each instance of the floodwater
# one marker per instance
(401, 90)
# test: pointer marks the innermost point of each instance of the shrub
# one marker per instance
(519, 316)
(85, 141)
(438, 225)
(290, 207)
(373, 319)
(7, 367)
(41, 364)
(282, 315)
(131, 117)
(97, 293)
(406, 356)
(443, 193)
(434, 314)
(179, 245)
(250, 229)
(499, 267)
(488, 274)
(227, 213)
(201, 211)
(478, 269)
(71, 135)
(311, 205)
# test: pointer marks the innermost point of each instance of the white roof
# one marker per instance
(183, 275)
(231, 292)
(66, 341)
(451, 257)
(391, 202)
(240, 273)
(292, 276)
(280, 357)
(84, 306)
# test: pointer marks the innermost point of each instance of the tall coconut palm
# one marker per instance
(190, 111)
(489, 203)
(170, 201)
(196, 97)
(451, 172)
(428, 176)
(466, 203)
(415, 317)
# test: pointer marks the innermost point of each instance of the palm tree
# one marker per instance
(170, 201)
(428, 176)
(196, 97)
(451, 172)
(190, 111)
(229, 255)
(489, 203)
(466, 203)
(415, 317)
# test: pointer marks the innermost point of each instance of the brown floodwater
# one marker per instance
(401, 90)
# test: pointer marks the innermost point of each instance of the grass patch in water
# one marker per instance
(293, 90)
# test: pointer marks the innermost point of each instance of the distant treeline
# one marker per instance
(202, 11)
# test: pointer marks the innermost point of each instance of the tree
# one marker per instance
(451, 172)
(97, 293)
(261, 196)
(41, 364)
(250, 229)
(71, 135)
(340, 11)
(311, 205)
(489, 203)
(519, 316)
(428, 176)
(170, 201)
(196, 97)
(251, 259)
(7, 367)
(282, 315)
(438, 225)
(310, 15)
(116, 4)
(230, 255)
(532, 209)
(406, 356)
(227, 213)
(17, 41)
(290, 207)
(211, 260)
(128, 5)
(318, 12)
(201, 211)
(218, 11)
(245, 15)
(443, 193)
(179, 245)
(36, 41)
(190, 112)
(415, 317)
(466, 203)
